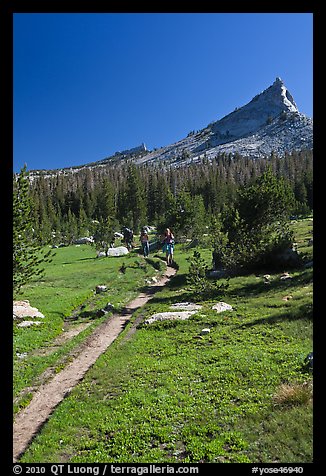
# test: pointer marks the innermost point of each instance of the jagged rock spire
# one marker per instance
(263, 108)
(281, 96)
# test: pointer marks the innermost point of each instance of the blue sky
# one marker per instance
(89, 84)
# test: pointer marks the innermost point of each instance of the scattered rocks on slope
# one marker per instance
(118, 251)
(186, 306)
(162, 316)
(23, 309)
(222, 306)
(267, 279)
(287, 298)
(29, 323)
(100, 288)
(85, 240)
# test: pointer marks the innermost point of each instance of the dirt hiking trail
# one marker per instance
(28, 422)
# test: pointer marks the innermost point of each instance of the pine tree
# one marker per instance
(152, 197)
(135, 198)
(103, 234)
(28, 255)
(199, 284)
(269, 199)
(258, 226)
(71, 228)
(105, 198)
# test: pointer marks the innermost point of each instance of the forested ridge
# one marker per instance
(67, 205)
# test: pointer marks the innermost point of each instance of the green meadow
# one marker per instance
(66, 296)
(168, 393)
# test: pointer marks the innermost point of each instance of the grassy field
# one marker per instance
(168, 393)
(69, 282)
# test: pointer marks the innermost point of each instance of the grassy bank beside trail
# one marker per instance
(168, 393)
(69, 282)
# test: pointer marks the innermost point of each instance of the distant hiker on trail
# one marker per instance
(168, 245)
(144, 240)
(128, 236)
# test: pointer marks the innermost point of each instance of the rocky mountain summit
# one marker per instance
(270, 122)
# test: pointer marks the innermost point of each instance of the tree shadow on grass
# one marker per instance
(87, 315)
(276, 284)
(81, 259)
(180, 297)
(179, 283)
(304, 312)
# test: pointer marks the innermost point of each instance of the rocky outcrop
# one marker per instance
(118, 251)
(222, 306)
(85, 240)
(163, 316)
(23, 309)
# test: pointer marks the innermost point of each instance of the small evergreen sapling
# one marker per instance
(199, 284)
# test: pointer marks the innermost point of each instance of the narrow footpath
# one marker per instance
(29, 421)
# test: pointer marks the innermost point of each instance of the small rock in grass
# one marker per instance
(29, 323)
(100, 289)
(162, 316)
(222, 306)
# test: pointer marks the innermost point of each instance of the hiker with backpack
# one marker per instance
(128, 237)
(168, 246)
(144, 240)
